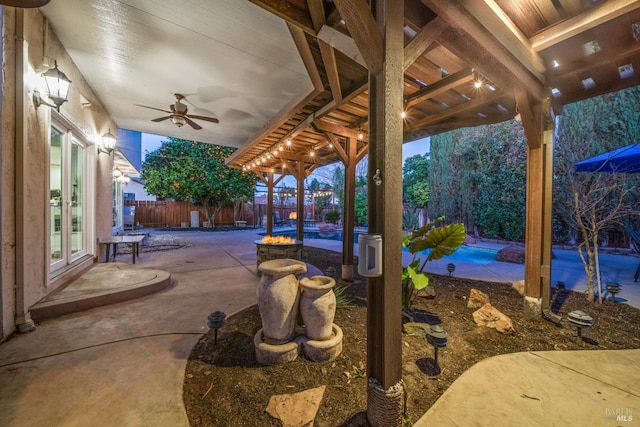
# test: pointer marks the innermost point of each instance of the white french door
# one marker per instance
(69, 203)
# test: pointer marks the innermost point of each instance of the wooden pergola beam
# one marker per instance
(341, 42)
(364, 30)
(342, 154)
(493, 18)
(306, 96)
(331, 69)
(463, 76)
(345, 132)
(422, 40)
(475, 102)
(468, 39)
(306, 55)
(579, 24)
(289, 13)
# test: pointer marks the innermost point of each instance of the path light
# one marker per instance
(437, 337)
(580, 319)
(330, 271)
(613, 289)
(215, 322)
(451, 267)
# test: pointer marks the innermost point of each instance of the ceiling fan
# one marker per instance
(178, 114)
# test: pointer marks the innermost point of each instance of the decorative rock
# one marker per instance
(512, 254)
(519, 286)
(477, 299)
(469, 240)
(415, 328)
(491, 317)
(297, 409)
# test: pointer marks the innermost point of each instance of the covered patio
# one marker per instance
(350, 79)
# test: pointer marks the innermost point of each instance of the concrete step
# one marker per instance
(104, 284)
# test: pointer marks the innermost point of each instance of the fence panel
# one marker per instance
(160, 214)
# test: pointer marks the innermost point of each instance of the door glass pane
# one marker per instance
(77, 198)
(56, 195)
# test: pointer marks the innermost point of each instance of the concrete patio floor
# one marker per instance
(123, 364)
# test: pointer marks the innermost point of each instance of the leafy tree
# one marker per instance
(415, 184)
(195, 172)
(478, 175)
(361, 201)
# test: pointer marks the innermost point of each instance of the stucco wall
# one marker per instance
(7, 169)
(42, 48)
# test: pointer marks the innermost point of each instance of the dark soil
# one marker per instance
(225, 386)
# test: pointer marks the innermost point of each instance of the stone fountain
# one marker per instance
(280, 297)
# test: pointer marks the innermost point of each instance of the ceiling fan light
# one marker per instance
(178, 120)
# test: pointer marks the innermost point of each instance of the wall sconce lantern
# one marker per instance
(108, 143)
(58, 85)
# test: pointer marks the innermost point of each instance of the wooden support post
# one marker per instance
(547, 214)
(385, 400)
(349, 209)
(300, 176)
(538, 128)
(270, 186)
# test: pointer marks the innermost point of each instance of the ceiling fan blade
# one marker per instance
(193, 124)
(160, 119)
(209, 119)
(152, 108)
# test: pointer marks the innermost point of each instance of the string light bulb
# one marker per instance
(477, 81)
(288, 143)
(360, 136)
(403, 114)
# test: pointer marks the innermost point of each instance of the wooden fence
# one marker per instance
(160, 214)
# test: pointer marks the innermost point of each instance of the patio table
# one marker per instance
(134, 241)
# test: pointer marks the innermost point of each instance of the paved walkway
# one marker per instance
(123, 364)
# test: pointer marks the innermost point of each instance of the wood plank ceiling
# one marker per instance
(564, 50)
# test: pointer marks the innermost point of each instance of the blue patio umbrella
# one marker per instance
(621, 160)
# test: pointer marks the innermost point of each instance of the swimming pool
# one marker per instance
(470, 254)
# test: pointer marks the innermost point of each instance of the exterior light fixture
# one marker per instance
(178, 120)
(580, 319)
(215, 321)
(437, 337)
(477, 81)
(117, 173)
(403, 114)
(613, 289)
(108, 143)
(451, 267)
(58, 85)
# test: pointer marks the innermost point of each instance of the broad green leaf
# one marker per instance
(420, 280)
(442, 241)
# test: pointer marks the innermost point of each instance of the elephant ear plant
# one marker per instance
(441, 241)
